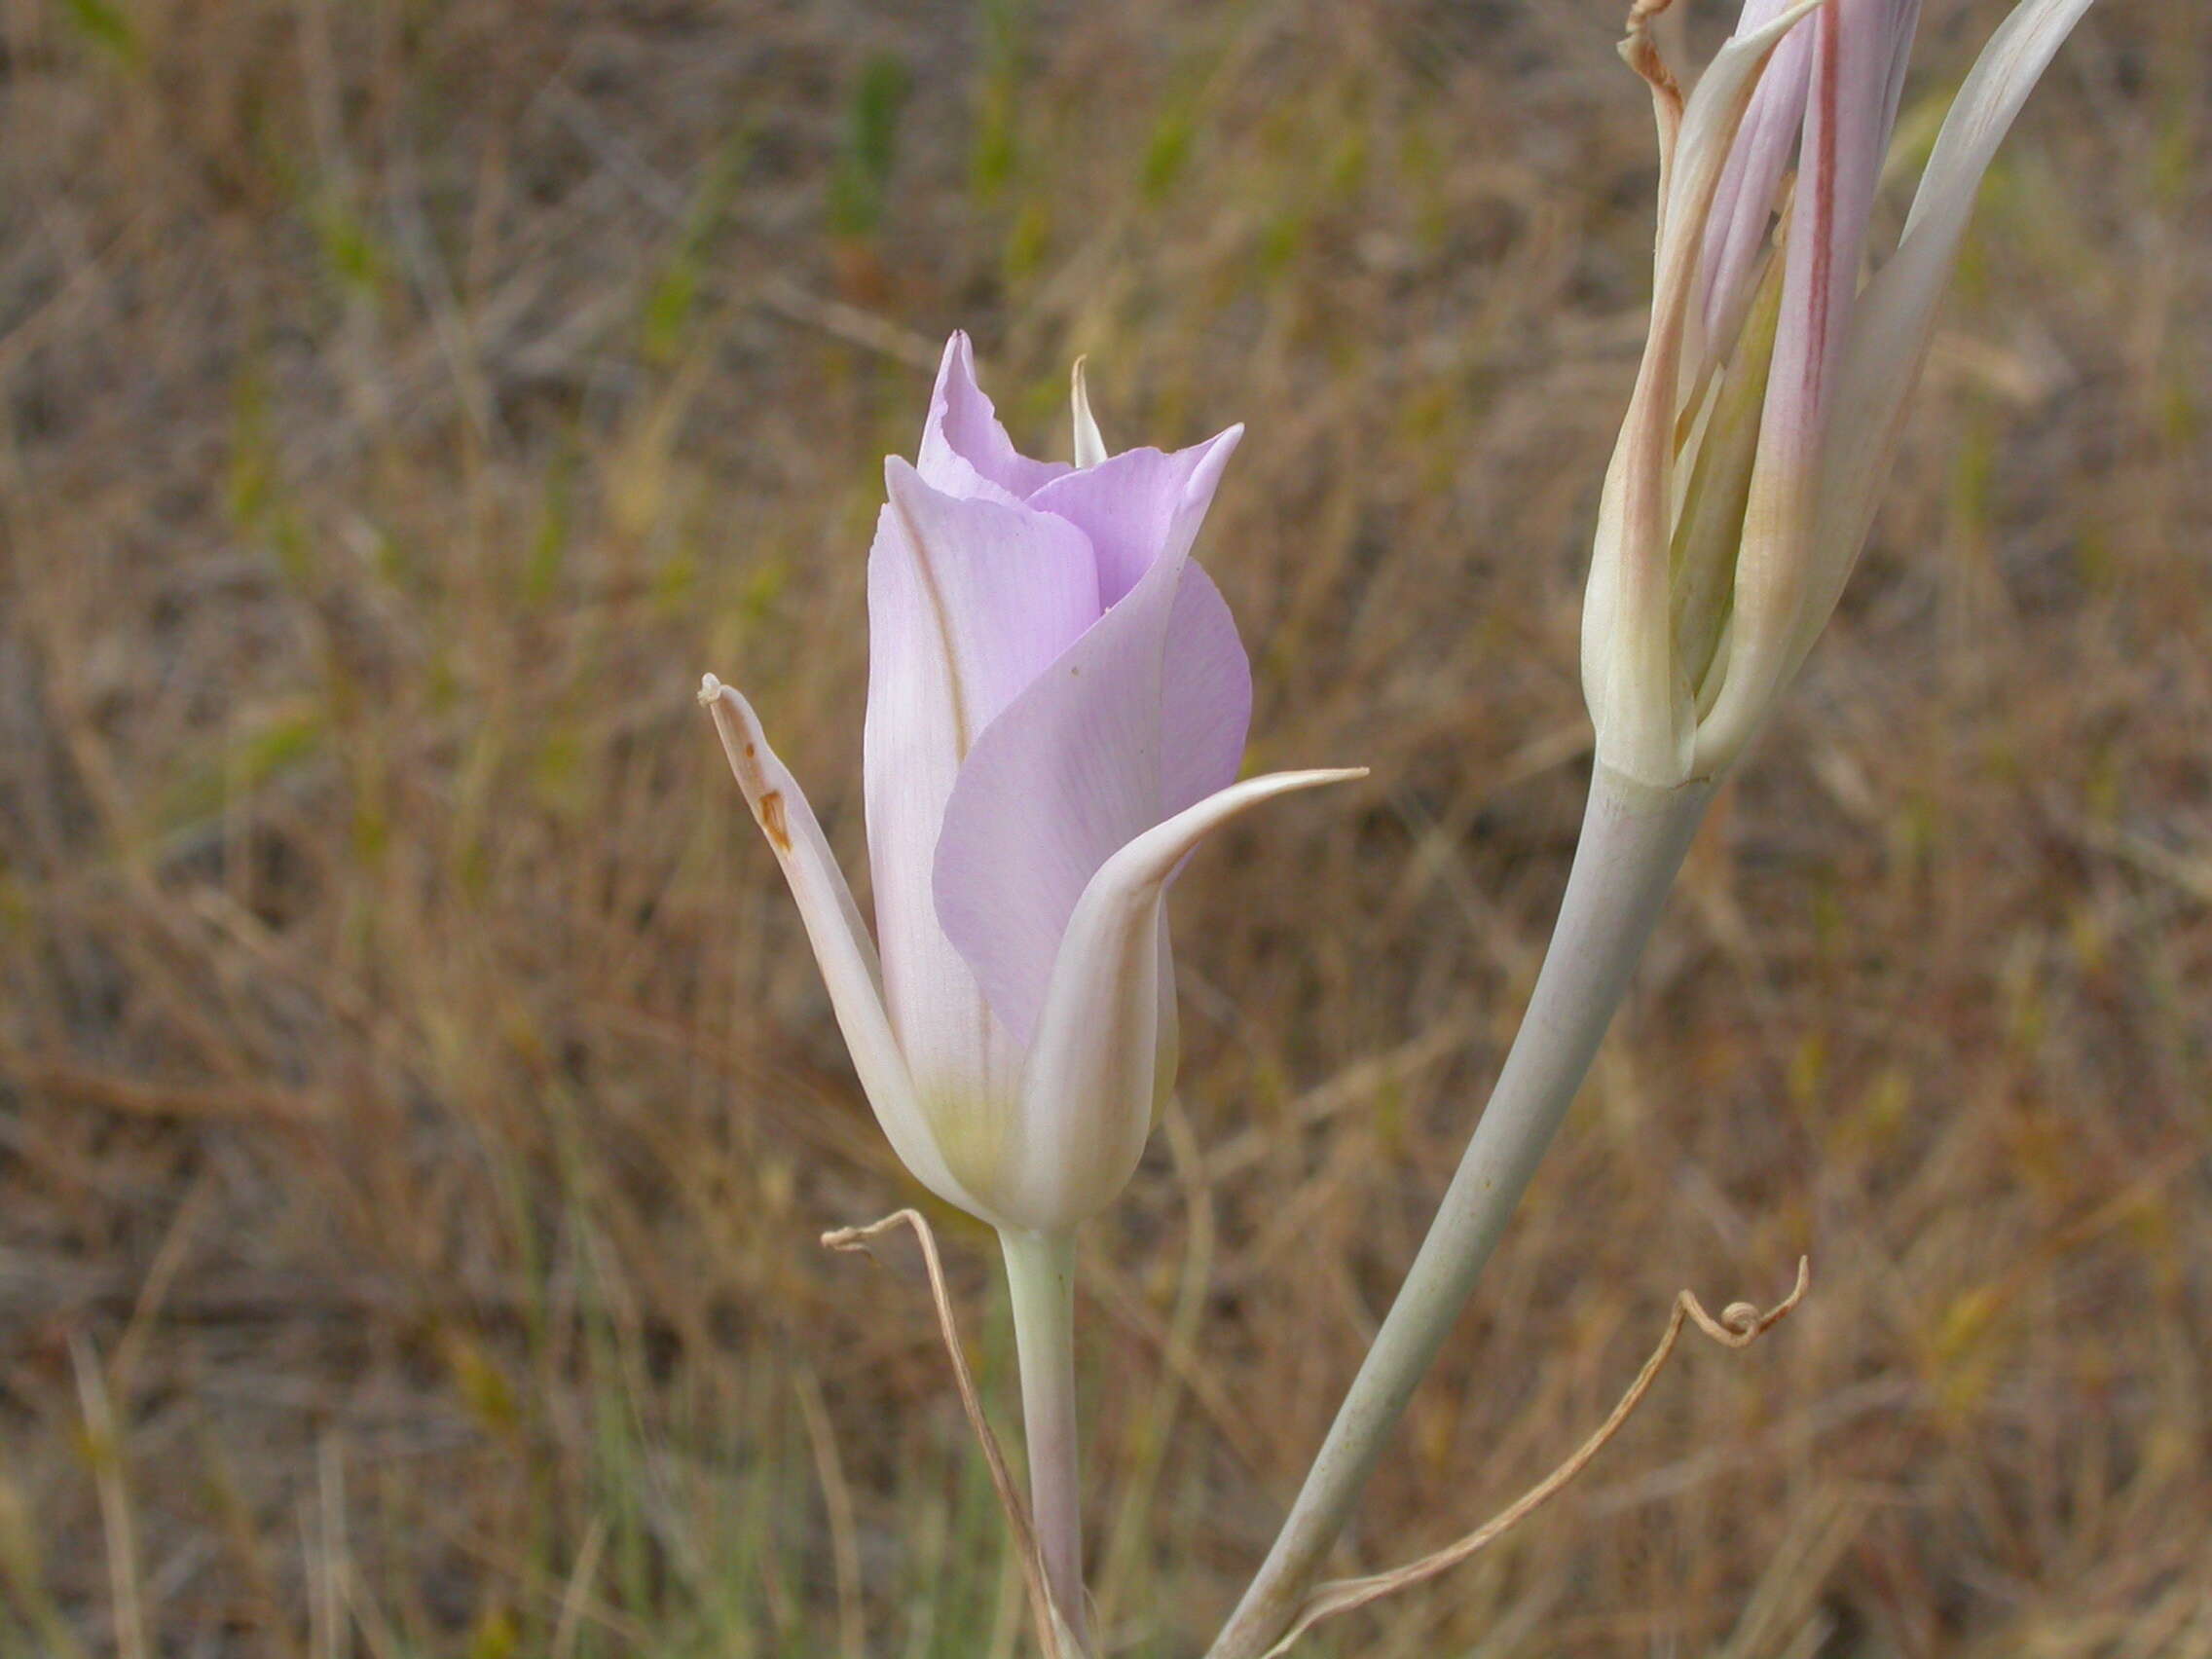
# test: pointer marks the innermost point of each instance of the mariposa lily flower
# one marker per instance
(1057, 711)
(1773, 385)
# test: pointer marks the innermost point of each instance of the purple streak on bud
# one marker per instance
(1855, 52)
(1765, 145)
(1857, 55)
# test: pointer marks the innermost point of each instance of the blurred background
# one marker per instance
(418, 1107)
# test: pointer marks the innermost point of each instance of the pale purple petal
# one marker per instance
(1140, 505)
(1904, 25)
(1093, 1078)
(1206, 696)
(1010, 588)
(1054, 787)
(839, 939)
(1744, 206)
(1137, 718)
(965, 451)
(968, 601)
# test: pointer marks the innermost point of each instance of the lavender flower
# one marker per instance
(1057, 704)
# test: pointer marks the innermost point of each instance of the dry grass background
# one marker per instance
(416, 1105)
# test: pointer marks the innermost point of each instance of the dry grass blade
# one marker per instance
(569, 1628)
(1739, 1326)
(1052, 1631)
(837, 1500)
(103, 1448)
(850, 324)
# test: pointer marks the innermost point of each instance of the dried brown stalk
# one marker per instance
(1739, 1326)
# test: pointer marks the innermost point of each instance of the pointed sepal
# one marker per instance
(1090, 1085)
(841, 945)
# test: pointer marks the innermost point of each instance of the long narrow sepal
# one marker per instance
(1988, 101)
(1089, 443)
(1707, 529)
(1088, 1090)
(839, 938)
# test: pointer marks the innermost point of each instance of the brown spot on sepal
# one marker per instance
(773, 823)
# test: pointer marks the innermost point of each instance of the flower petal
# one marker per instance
(1140, 505)
(1092, 1077)
(1744, 205)
(1206, 696)
(1855, 49)
(1054, 787)
(965, 451)
(1146, 709)
(840, 940)
(1857, 45)
(1896, 313)
(1008, 588)
(968, 601)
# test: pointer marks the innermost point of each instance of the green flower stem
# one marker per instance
(1633, 839)
(1040, 1272)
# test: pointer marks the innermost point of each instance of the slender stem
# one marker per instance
(1633, 839)
(1040, 1272)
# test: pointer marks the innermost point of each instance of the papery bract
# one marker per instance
(1057, 704)
(1767, 406)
